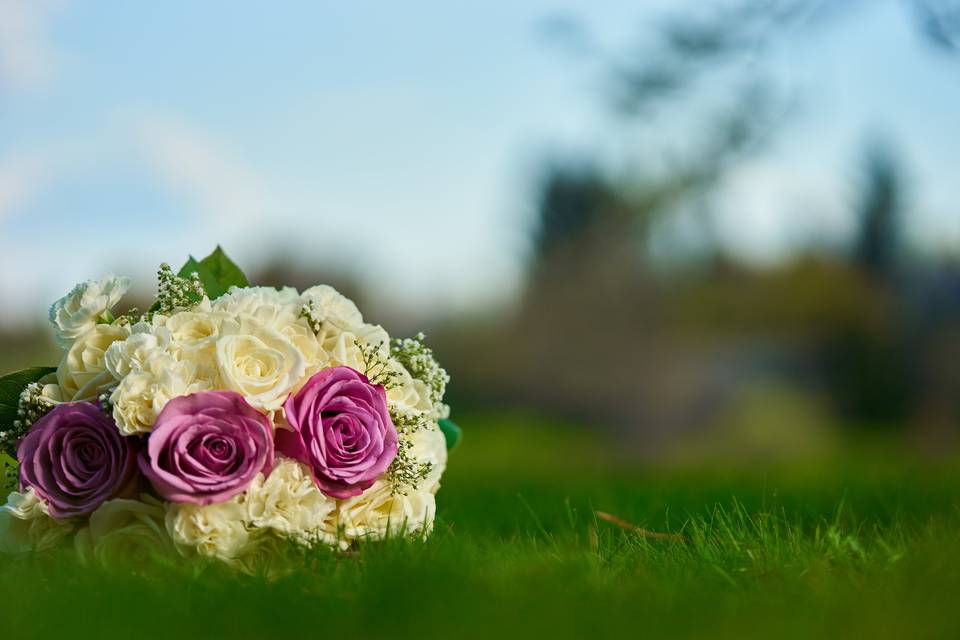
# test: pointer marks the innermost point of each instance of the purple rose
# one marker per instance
(75, 458)
(207, 447)
(341, 430)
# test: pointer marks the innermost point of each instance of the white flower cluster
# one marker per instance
(263, 344)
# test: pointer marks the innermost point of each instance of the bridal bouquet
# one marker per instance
(226, 421)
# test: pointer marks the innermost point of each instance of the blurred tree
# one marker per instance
(570, 198)
(601, 335)
(878, 242)
(695, 45)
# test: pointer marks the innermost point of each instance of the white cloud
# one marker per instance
(199, 168)
(28, 169)
(387, 235)
(21, 175)
(26, 56)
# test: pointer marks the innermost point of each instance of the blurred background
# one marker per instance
(696, 232)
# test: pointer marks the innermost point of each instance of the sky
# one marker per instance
(396, 141)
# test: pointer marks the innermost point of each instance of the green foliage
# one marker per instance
(11, 386)
(189, 267)
(865, 546)
(217, 272)
(8, 475)
(527, 558)
(451, 432)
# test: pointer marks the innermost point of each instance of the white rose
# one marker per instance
(258, 362)
(377, 513)
(82, 374)
(329, 306)
(141, 395)
(78, 311)
(289, 502)
(123, 532)
(26, 525)
(270, 307)
(214, 530)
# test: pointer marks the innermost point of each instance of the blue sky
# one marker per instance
(395, 140)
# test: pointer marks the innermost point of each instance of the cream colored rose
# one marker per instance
(87, 303)
(193, 331)
(214, 531)
(50, 390)
(267, 554)
(407, 392)
(82, 374)
(429, 445)
(329, 306)
(258, 362)
(268, 306)
(377, 513)
(142, 394)
(26, 525)
(289, 502)
(303, 338)
(123, 533)
(342, 350)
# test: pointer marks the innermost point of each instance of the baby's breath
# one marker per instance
(376, 367)
(105, 402)
(31, 406)
(174, 293)
(406, 472)
(408, 422)
(133, 316)
(418, 359)
(309, 313)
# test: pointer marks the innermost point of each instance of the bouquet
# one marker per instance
(227, 421)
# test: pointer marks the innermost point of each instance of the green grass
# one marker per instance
(863, 545)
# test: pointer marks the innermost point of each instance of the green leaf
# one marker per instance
(11, 385)
(452, 433)
(224, 270)
(217, 273)
(189, 267)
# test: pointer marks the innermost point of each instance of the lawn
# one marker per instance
(863, 545)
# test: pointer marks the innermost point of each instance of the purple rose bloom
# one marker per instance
(75, 458)
(207, 447)
(341, 430)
